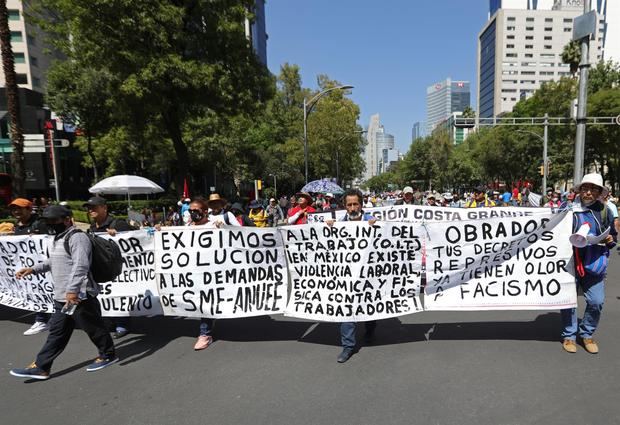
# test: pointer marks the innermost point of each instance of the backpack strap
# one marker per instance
(66, 241)
(226, 219)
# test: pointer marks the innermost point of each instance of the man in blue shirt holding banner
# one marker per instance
(353, 203)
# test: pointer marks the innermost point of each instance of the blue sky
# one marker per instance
(390, 50)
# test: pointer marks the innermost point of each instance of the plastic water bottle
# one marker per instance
(69, 309)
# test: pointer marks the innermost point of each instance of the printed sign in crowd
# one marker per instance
(478, 259)
(353, 271)
(523, 263)
(223, 273)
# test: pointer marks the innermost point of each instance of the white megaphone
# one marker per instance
(580, 239)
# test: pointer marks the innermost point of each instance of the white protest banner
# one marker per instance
(352, 271)
(419, 213)
(220, 273)
(34, 292)
(134, 291)
(519, 263)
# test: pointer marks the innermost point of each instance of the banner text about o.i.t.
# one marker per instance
(353, 271)
(220, 273)
(517, 263)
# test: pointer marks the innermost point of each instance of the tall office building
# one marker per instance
(417, 131)
(370, 151)
(256, 32)
(443, 98)
(379, 151)
(521, 47)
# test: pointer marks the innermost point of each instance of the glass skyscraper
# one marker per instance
(443, 98)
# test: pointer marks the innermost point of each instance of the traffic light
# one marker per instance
(259, 184)
(542, 170)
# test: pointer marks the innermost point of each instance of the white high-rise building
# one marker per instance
(443, 98)
(521, 47)
(370, 152)
(379, 151)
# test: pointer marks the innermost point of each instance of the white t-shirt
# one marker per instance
(232, 220)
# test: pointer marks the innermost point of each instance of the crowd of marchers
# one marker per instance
(69, 257)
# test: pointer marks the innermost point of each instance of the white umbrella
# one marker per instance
(126, 185)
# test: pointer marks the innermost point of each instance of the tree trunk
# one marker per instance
(91, 153)
(17, 136)
(173, 126)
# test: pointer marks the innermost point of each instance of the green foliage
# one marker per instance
(508, 154)
(571, 54)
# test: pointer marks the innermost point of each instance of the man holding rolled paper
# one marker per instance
(593, 236)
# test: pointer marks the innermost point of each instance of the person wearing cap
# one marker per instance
(353, 200)
(242, 218)
(407, 198)
(299, 214)
(257, 214)
(218, 213)
(590, 262)
(479, 199)
(29, 223)
(274, 213)
(73, 287)
(431, 201)
(102, 221)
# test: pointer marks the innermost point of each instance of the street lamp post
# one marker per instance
(275, 187)
(308, 107)
(544, 139)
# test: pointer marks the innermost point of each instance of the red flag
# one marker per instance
(185, 188)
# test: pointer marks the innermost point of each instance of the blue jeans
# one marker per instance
(206, 325)
(347, 332)
(594, 293)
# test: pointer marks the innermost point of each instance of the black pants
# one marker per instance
(88, 316)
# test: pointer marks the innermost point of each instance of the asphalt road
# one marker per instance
(500, 367)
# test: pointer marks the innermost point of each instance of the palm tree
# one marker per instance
(572, 56)
(17, 136)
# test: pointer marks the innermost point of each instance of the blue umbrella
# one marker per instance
(322, 186)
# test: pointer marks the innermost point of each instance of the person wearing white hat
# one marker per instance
(590, 262)
(407, 198)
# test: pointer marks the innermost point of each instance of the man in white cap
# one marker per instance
(407, 198)
(590, 262)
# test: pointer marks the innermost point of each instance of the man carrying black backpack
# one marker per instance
(75, 296)
(101, 222)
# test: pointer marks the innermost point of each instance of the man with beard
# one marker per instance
(353, 203)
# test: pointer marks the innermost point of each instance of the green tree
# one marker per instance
(10, 82)
(571, 54)
(173, 59)
(85, 97)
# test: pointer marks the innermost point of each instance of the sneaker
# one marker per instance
(345, 355)
(100, 363)
(37, 328)
(590, 345)
(32, 372)
(203, 342)
(120, 332)
(569, 346)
